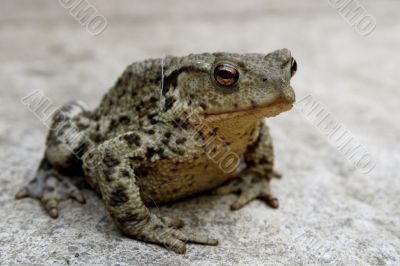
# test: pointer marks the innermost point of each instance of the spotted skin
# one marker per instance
(166, 131)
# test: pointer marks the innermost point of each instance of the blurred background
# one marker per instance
(330, 213)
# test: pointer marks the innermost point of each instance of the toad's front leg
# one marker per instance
(254, 181)
(116, 182)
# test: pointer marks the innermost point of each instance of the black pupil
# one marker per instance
(294, 66)
(225, 74)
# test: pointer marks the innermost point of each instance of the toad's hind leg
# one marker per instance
(54, 180)
(50, 187)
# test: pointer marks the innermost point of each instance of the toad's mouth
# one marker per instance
(268, 109)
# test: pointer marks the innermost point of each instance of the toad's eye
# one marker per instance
(226, 75)
(293, 67)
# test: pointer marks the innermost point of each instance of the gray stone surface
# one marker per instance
(330, 214)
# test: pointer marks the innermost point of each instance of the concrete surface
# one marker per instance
(330, 214)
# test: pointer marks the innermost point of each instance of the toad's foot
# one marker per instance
(159, 231)
(50, 188)
(276, 174)
(250, 188)
(173, 222)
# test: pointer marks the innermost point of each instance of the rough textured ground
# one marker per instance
(330, 214)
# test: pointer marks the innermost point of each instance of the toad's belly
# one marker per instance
(165, 181)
